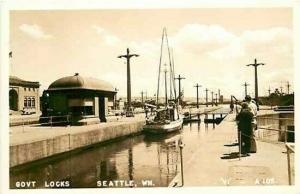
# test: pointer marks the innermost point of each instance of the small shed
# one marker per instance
(79, 100)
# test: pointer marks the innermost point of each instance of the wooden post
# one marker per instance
(288, 152)
(181, 163)
(128, 56)
(179, 78)
(255, 65)
(240, 144)
(197, 88)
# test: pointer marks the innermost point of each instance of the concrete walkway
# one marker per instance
(32, 133)
(215, 161)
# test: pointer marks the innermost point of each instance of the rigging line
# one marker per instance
(159, 69)
(173, 74)
(169, 53)
(174, 86)
(170, 77)
(166, 86)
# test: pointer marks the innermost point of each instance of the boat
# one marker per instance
(167, 118)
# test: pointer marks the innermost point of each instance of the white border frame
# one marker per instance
(7, 5)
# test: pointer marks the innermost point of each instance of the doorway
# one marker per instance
(13, 100)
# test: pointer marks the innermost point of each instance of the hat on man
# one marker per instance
(245, 105)
(248, 98)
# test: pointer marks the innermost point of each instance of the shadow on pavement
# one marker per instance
(233, 155)
(231, 145)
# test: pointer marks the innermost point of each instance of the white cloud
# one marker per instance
(276, 40)
(211, 56)
(199, 38)
(34, 31)
(109, 39)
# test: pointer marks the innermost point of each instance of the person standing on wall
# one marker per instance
(253, 108)
(244, 122)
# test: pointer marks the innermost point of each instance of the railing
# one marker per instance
(272, 118)
(290, 147)
(51, 120)
(65, 119)
(280, 127)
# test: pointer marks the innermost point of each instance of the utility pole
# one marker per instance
(128, 57)
(288, 87)
(216, 99)
(246, 85)
(179, 78)
(255, 65)
(212, 98)
(197, 86)
(206, 97)
(116, 99)
(142, 93)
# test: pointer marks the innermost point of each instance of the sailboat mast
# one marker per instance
(159, 69)
(171, 66)
(166, 87)
(173, 76)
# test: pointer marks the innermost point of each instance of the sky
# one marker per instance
(211, 47)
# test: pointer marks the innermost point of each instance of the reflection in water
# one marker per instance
(142, 157)
(130, 164)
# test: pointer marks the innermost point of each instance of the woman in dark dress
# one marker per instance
(244, 120)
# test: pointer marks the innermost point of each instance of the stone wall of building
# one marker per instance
(27, 93)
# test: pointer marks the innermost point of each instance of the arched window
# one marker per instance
(13, 99)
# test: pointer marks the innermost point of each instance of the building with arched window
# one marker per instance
(80, 100)
(23, 96)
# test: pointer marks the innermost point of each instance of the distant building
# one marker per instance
(78, 99)
(23, 95)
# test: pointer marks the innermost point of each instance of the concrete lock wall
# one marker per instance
(24, 153)
(274, 121)
(270, 121)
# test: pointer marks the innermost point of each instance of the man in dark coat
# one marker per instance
(244, 119)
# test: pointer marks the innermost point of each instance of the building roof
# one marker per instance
(15, 81)
(77, 82)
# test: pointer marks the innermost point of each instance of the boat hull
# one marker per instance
(157, 128)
